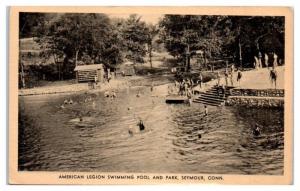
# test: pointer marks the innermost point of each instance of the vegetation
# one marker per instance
(222, 36)
(72, 39)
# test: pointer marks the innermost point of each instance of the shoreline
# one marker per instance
(114, 84)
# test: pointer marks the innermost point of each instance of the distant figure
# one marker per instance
(205, 110)
(231, 74)
(141, 125)
(138, 94)
(273, 77)
(199, 136)
(266, 60)
(66, 101)
(256, 62)
(113, 94)
(130, 130)
(200, 79)
(70, 101)
(275, 63)
(226, 76)
(218, 78)
(152, 85)
(259, 60)
(106, 94)
(256, 131)
(232, 68)
(239, 76)
(223, 90)
(186, 87)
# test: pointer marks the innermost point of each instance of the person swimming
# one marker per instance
(256, 131)
(141, 125)
(106, 93)
(66, 101)
(130, 130)
(113, 94)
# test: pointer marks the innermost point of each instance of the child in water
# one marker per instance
(141, 125)
(256, 131)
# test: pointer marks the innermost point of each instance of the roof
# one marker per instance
(89, 67)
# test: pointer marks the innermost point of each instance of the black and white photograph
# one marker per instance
(140, 93)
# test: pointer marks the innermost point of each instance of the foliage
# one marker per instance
(221, 36)
(135, 37)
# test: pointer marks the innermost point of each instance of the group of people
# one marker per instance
(258, 60)
(229, 75)
(182, 88)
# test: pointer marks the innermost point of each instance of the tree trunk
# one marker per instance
(240, 53)
(150, 55)
(76, 57)
(22, 75)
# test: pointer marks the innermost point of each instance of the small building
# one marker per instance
(87, 73)
(127, 69)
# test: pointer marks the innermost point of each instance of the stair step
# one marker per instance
(206, 103)
(213, 99)
(212, 95)
(210, 101)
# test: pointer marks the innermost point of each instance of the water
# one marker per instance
(54, 139)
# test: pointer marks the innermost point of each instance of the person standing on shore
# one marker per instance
(259, 60)
(231, 74)
(218, 78)
(273, 77)
(275, 63)
(266, 60)
(200, 79)
(256, 63)
(205, 110)
(226, 77)
(239, 77)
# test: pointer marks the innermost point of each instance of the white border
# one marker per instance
(4, 92)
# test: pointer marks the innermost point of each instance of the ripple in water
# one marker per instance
(177, 139)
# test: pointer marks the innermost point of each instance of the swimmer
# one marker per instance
(256, 131)
(70, 101)
(106, 93)
(66, 101)
(130, 131)
(152, 86)
(113, 94)
(141, 125)
(199, 136)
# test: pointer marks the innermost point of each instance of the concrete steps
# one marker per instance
(213, 96)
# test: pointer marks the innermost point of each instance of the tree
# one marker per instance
(134, 34)
(239, 36)
(152, 31)
(184, 34)
(77, 36)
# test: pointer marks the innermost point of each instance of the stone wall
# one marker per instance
(257, 92)
(252, 101)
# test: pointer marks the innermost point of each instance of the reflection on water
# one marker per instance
(92, 135)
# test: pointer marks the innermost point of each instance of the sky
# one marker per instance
(148, 18)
